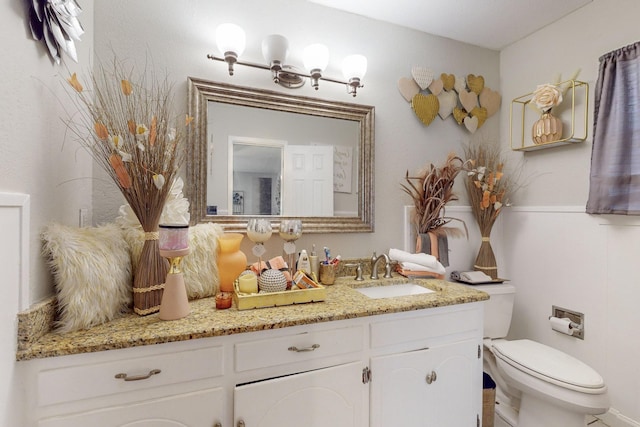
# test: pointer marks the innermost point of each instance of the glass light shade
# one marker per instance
(275, 48)
(315, 57)
(230, 38)
(354, 66)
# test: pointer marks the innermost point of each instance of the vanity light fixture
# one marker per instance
(231, 41)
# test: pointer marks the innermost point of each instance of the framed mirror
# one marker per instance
(239, 138)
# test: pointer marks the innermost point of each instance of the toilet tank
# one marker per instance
(498, 309)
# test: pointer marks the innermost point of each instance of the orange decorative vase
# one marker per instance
(547, 128)
(231, 260)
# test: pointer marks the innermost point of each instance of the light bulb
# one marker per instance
(230, 38)
(354, 66)
(275, 49)
(315, 57)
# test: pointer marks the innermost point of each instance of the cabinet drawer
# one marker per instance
(92, 380)
(298, 348)
(201, 408)
(416, 328)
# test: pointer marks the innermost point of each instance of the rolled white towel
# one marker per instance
(425, 260)
(418, 267)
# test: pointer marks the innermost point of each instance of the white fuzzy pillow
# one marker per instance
(200, 268)
(92, 271)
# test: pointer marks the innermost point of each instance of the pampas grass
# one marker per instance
(127, 125)
(489, 190)
(430, 191)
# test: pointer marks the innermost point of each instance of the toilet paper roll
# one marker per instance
(561, 324)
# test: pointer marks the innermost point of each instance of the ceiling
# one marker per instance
(492, 24)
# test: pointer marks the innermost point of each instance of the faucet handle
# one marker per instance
(387, 270)
(358, 267)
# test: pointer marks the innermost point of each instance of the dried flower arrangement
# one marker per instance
(127, 125)
(488, 189)
(430, 191)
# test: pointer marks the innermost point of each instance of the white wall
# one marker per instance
(37, 156)
(177, 36)
(557, 254)
(40, 168)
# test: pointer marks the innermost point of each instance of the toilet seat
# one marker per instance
(550, 365)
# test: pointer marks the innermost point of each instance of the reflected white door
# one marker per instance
(308, 175)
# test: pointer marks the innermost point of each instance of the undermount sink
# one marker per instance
(390, 291)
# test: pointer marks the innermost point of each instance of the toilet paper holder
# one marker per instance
(576, 320)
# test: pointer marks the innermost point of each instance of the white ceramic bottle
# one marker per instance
(303, 262)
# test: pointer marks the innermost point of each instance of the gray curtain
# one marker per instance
(614, 186)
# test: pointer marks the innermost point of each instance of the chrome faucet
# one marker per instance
(387, 267)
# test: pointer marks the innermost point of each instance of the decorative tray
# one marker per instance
(246, 301)
(488, 282)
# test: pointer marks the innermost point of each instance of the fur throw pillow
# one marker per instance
(92, 273)
(200, 268)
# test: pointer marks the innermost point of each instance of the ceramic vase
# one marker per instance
(547, 128)
(231, 260)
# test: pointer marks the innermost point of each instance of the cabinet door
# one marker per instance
(333, 397)
(435, 387)
(202, 408)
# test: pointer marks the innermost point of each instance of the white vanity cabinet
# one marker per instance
(414, 368)
(334, 396)
(201, 408)
(427, 369)
(166, 385)
(432, 387)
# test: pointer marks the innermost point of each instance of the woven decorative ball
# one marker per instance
(272, 281)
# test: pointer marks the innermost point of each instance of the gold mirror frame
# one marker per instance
(200, 92)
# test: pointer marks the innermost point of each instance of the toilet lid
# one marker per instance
(547, 363)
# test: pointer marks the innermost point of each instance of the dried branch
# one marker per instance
(430, 191)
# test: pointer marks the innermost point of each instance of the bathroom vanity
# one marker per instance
(348, 361)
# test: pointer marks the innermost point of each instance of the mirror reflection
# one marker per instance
(256, 176)
(262, 153)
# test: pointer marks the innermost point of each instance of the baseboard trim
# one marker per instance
(614, 418)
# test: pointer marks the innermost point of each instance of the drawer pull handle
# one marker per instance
(431, 377)
(125, 377)
(300, 350)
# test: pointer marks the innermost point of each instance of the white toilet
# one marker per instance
(536, 384)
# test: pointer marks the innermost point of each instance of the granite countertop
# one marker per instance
(342, 302)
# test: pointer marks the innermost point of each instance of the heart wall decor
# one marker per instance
(490, 100)
(408, 88)
(469, 100)
(426, 107)
(448, 102)
(464, 98)
(422, 76)
(476, 84)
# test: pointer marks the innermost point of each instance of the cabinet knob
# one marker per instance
(123, 376)
(431, 377)
(300, 350)
(217, 424)
(240, 423)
